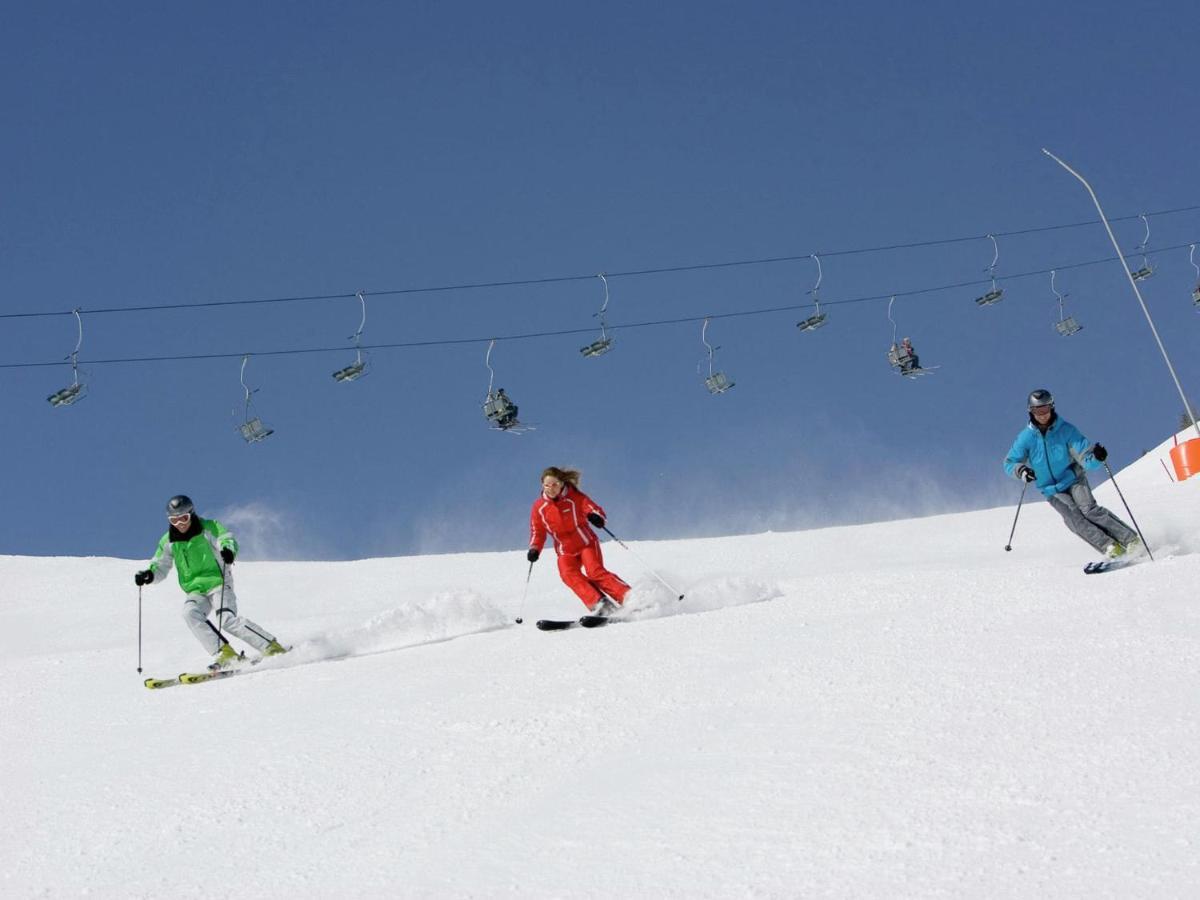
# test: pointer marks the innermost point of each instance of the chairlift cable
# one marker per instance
(560, 279)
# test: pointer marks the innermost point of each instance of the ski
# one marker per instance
(201, 677)
(581, 622)
(556, 624)
(155, 683)
(1108, 565)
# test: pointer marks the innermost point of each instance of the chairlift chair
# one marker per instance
(76, 390)
(1147, 269)
(598, 347)
(813, 322)
(901, 358)
(604, 343)
(992, 296)
(1066, 325)
(1196, 289)
(251, 428)
(818, 318)
(352, 372)
(67, 395)
(996, 293)
(358, 368)
(498, 407)
(716, 382)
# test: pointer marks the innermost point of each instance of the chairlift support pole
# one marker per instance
(1133, 284)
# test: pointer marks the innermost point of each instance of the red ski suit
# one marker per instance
(580, 562)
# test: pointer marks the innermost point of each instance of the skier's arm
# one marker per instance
(537, 529)
(164, 559)
(1018, 454)
(224, 536)
(1080, 448)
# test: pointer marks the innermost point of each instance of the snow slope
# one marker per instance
(898, 709)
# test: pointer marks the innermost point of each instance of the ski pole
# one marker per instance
(221, 613)
(642, 561)
(1128, 510)
(1008, 546)
(139, 629)
(524, 594)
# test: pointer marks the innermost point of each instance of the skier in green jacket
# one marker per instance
(203, 550)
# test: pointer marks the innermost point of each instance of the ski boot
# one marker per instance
(223, 658)
(1114, 550)
(274, 649)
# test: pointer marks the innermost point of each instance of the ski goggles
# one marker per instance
(179, 520)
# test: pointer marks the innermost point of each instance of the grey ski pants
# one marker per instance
(196, 608)
(1094, 523)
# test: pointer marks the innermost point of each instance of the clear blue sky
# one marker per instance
(187, 153)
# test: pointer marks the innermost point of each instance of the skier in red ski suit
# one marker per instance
(566, 513)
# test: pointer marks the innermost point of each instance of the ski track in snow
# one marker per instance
(897, 709)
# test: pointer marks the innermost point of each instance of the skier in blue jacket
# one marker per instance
(1052, 453)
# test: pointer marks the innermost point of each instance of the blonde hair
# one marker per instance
(566, 476)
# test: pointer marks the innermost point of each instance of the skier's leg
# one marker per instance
(593, 564)
(1065, 506)
(253, 634)
(196, 608)
(569, 570)
(1101, 517)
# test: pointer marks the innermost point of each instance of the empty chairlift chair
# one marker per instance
(995, 293)
(716, 382)
(76, 389)
(1066, 325)
(358, 368)
(818, 318)
(251, 427)
(604, 343)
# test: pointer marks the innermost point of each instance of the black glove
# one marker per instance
(1099, 452)
(143, 577)
(1026, 474)
(533, 554)
(595, 519)
(227, 555)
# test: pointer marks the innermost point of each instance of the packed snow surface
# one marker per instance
(897, 709)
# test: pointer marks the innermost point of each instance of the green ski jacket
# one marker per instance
(195, 553)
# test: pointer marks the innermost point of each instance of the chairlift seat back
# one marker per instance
(1196, 295)
(812, 323)
(254, 430)
(717, 383)
(497, 408)
(1068, 326)
(990, 297)
(352, 372)
(66, 396)
(1143, 273)
(598, 347)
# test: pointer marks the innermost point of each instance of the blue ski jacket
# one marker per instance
(1057, 457)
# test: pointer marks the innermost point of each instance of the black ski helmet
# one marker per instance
(1041, 397)
(180, 505)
